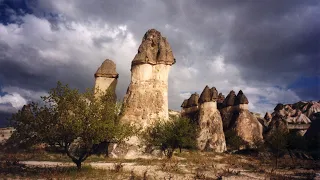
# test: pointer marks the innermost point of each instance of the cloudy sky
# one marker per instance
(269, 49)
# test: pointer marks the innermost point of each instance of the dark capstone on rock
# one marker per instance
(154, 49)
(185, 103)
(241, 98)
(205, 95)
(279, 107)
(214, 94)
(107, 69)
(230, 99)
(193, 100)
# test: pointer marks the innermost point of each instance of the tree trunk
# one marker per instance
(78, 163)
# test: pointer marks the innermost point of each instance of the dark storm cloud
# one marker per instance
(270, 43)
(15, 72)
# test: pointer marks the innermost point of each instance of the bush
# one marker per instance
(177, 133)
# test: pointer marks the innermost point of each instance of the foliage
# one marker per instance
(77, 122)
(278, 142)
(170, 135)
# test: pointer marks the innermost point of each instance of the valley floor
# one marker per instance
(185, 165)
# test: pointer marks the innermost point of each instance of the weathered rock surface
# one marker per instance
(230, 99)
(211, 136)
(146, 100)
(106, 78)
(228, 115)
(184, 104)
(236, 117)
(277, 125)
(241, 98)
(154, 50)
(193, 100)
(248, 128)
(206, 95)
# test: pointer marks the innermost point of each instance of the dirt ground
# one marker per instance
(185, 165)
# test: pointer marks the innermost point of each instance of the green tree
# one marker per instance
(77, 122)
(278, 142)
(170, 135)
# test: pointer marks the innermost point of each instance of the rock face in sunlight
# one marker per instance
(106, 77)
(146, 100)
(245, 124)
(211, 136)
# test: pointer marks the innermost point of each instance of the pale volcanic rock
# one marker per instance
(298, 118)
(248, 128)
(106, 77)
(146, 100)
(211, 136)
(313, 108)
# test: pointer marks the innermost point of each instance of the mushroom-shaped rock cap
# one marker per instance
(193, 100)
(107, 69)
(154, 49)
(205, 95)
(185, 103)
(278, 107)
(214, 94)
(241, 98)
(230, 99)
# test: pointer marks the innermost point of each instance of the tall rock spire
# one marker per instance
(146, 100)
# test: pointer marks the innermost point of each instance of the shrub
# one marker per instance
(170, 135)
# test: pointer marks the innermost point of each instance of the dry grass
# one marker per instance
(192, 164)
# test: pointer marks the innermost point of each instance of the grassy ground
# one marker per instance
(185, 165)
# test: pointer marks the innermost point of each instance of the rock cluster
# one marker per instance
(293, 114)
(226, 114)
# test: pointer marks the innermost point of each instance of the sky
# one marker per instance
(269, 49)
